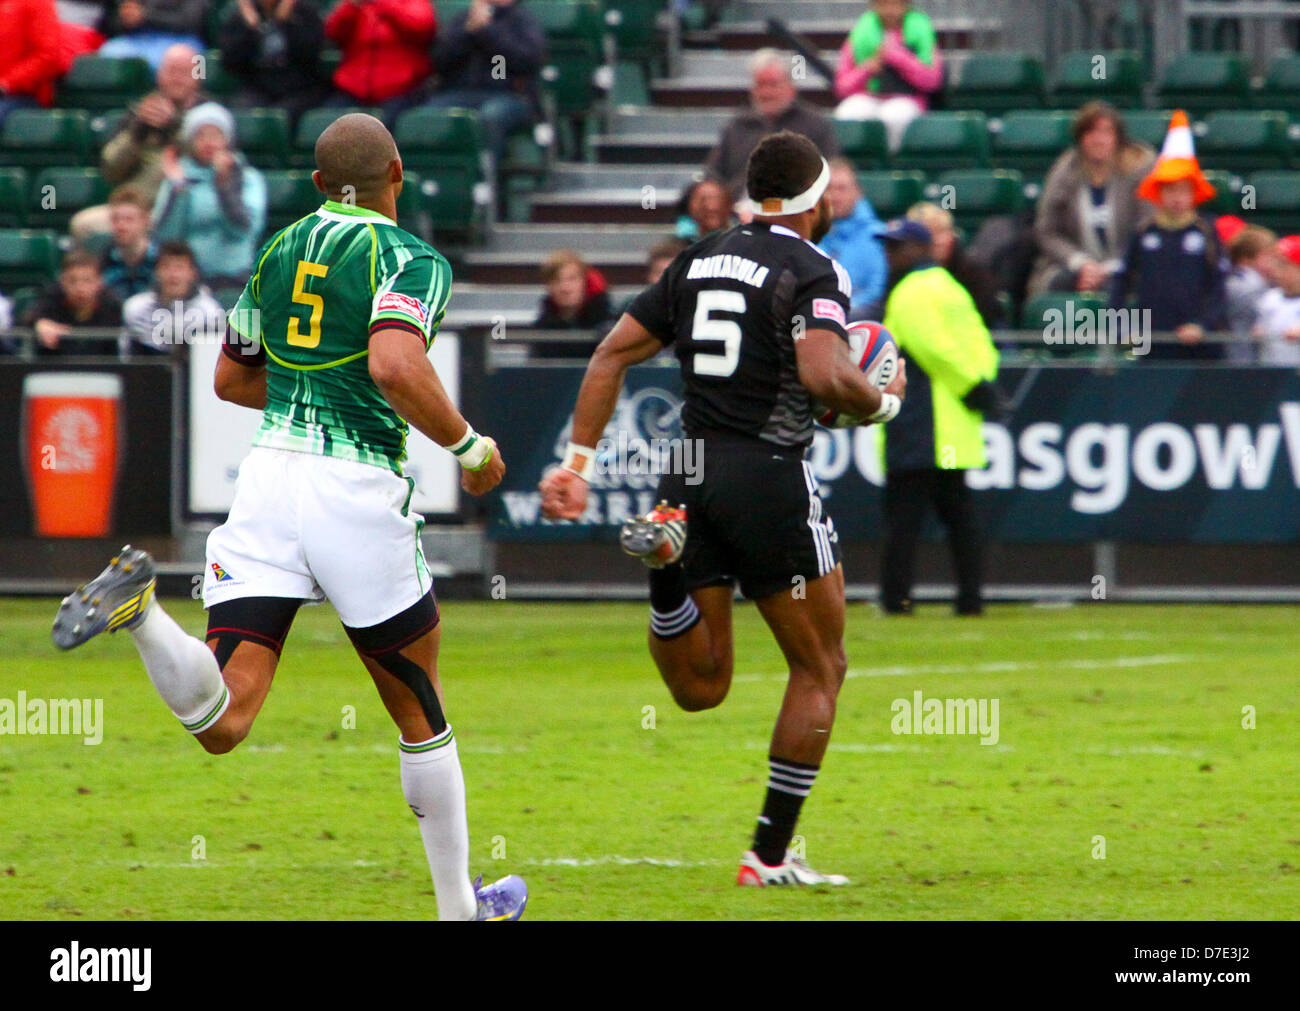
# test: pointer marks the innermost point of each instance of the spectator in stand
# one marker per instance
(133, 154)
(852, 240)
(1252, 252)
(148, 28)
(1174, 267)
(128, 261)
(7, 344)
(96, 15)
(949, 253)
(176, 310)
(30, 60)
(774, 106)
(577, 298)
(385, 47)
(661, 254)
(889, 68)
(78, 299)
(1089, 207)
(1279, 309)
(273, 47)
(704, 208)
(212, 197)
(488, 58)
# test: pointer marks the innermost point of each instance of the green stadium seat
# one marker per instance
(218, 81)
(1057, 309)
(943, 140)
(58, 193)
(102, 82)
(996, 82)
(1032, 140)
(103, 125)
(1114, 76)
(290, 195)
(1201, 81)
(1276, 201)
(1227, 192)
(862, 141)
(311, 124)
(891, 193)
(36, 138)
(1148, 125)
(633, 25)
(1281, 87)
(263, 136)
(27, 257)
(23, 299)
(972, 195)
(1244, 141)
(13, 197)
(446, 147)
(568, 21)
(630, 84)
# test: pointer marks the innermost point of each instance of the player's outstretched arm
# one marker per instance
(564, 490)
(828, 374)
(400, 367)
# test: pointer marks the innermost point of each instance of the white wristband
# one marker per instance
(580, 460)
(890, 405)
(471, 450)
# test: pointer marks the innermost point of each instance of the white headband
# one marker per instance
(774, 207)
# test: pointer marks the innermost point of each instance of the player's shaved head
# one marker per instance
(355, 151)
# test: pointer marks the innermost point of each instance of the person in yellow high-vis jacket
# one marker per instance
(937, 436)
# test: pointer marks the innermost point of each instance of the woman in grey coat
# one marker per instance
(1089, 208)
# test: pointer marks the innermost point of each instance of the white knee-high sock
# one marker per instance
(182, 669)
(435, 789)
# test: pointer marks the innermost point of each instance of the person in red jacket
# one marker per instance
(385, 47)
(29, 54)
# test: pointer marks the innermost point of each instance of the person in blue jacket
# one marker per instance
(852, 241)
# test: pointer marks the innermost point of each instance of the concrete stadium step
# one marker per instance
(514, 252)
(514, 304)
(959, 24)
(646, 135)
(680, 92)
(612, 194)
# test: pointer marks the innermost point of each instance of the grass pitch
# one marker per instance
(1116, 723)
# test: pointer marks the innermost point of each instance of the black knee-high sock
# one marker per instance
(672, 611)
(789, 782)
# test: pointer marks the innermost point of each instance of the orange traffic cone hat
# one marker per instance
(1177, 161)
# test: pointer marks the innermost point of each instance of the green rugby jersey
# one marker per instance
(322, 286)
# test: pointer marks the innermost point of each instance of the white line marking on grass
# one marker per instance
(619, 861)
(994, 667)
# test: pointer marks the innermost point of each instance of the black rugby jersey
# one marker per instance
(733, 305)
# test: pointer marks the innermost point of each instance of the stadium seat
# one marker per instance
(36, 138)
(1276, 200)
(1032, 140)
(263, 136)
(58, 193)
(1114, 76)
(311, 125)
(218, 82)
(1201, 81)
(972, 195)
(943, 140)
(996, 82)
(290, 195)
(102, 82)
(23, 299)
(1058, 308)
(633, 25)
(446, 147)
(13, 197)
(862, 141)
(27, 257)
(1148, 125)
(102, 126)
(1243, 141)
(892, 193)
(1281, 87)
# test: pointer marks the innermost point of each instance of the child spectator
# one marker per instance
(1173, 266)
(889, 68)
(385, 47)
(148, 28)
(1251, 253)
(1279, 309)
(577, 298)
(273, 47)
(128, 261)
(488, 58)
(176, 311)
(212, 197)
(30, 61)
(661, 254)
(852, 241)
(78, 299)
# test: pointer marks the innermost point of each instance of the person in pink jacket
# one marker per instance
(889, 67)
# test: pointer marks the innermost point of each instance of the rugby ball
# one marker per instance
(873, 351)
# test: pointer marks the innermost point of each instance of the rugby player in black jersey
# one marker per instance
(756, 315)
